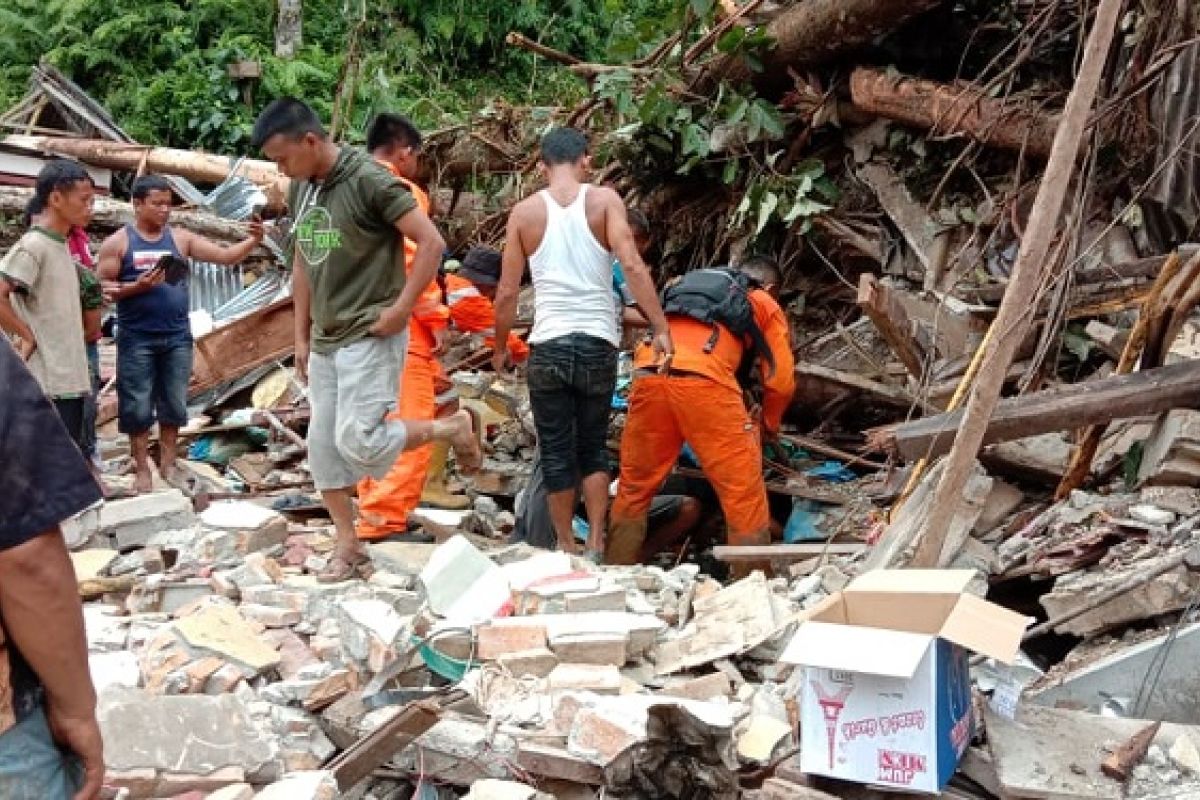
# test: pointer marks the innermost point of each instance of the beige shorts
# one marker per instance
(352, 391)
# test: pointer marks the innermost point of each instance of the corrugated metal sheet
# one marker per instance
(213, 285)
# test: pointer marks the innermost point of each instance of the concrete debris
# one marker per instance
(227, 670)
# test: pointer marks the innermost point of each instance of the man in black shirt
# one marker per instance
(50, 745)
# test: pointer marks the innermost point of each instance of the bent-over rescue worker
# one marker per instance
(469, 295)
(353, 305)
(568, 235)
(699, 400)
(384, 504)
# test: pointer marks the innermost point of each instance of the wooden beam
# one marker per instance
(1059, 409)
(233, 350)
(848, 380)
(1013, 318)
(889, 318)
(1120, 763)
(1089, 438)
(375, 749)
(734, 554)
(556, 763)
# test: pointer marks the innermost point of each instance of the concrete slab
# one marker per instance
(1119, 675)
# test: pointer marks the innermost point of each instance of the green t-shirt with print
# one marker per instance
(345, 238)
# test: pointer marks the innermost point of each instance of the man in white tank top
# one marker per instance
(568, 234)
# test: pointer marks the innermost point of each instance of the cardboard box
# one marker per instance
(886, 691)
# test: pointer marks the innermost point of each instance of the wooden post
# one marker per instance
(1089, 439)
(1013, 319)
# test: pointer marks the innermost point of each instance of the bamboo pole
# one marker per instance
(1013, 319)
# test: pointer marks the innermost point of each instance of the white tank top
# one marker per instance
(572, 277)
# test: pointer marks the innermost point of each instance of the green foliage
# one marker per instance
(160, 66)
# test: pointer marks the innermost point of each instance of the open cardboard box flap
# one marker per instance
(917, 603)
(875, 651)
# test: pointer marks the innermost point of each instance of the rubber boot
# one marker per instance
(435, 492)
(625, 539)
(744, 569)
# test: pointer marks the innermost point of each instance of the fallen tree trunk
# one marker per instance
(198, 167)
(109, 214)
(1132, 395)
(940, 108)
(814, 32)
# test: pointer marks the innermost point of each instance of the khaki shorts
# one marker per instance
(352, 391)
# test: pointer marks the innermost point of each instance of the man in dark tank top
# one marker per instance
(154, 338)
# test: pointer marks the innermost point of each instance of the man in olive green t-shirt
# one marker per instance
(352, 308)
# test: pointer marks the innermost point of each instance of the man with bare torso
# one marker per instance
(568, 234)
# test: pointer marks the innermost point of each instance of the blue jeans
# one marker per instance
(31, 765)
(152, 380)
(571, 382)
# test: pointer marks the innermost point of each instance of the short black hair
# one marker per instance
(563, 146)
(59, 174)
(763, 269)
(143, 186)
(388, 129)
(638, 221)
(288, 116)
(35, 206)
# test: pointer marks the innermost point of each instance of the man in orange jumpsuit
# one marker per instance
(698, 400)
(469, 295)
(384, 505)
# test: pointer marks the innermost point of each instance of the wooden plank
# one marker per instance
(1064, 408)
(784, 552)
(1120, 763)
(555, 762)
(377, 748)
(889, 318)
(848, 380)
(233, 350)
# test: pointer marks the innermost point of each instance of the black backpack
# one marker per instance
(720, 296)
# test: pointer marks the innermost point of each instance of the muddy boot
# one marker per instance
(625, 538)
(435, 492)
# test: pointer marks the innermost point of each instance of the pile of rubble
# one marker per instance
(223, 664)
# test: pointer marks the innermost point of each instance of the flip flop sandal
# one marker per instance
(339, 569)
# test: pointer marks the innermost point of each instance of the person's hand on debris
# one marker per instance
(501, 363)
(80, 736)
(391, 322)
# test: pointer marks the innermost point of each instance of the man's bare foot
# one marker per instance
(464, 440)
(571, 548)
(167, 470)
(144, 482)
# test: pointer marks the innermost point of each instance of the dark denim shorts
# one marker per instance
(152, 380)
(32, 767)
(571, 382)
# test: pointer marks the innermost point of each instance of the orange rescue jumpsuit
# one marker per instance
(384, 505)
(471, 312)
(700, 402)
